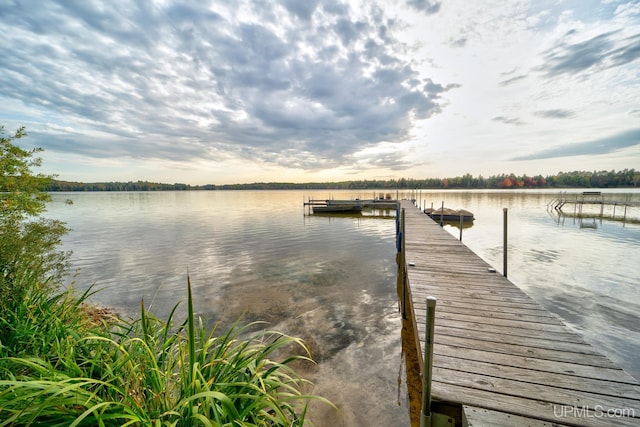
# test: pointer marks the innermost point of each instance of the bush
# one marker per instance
(28, 243)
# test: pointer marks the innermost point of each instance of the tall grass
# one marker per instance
(149, 372)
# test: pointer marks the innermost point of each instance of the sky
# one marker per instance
(234, 91)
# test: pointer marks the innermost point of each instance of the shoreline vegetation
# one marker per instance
(66, 362)
(626, 178)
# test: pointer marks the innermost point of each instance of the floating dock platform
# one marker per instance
(580, 200)
(496, 357)
(329, 204)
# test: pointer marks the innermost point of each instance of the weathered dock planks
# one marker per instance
(497, 353)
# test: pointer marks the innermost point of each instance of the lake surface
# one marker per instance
(332, 280)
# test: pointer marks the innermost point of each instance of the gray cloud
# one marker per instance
(606, 145)
(302, 9)
(508, 120)
(427, 6)
(555, 114)
(389, 160)
(512, 80)
(459, 41)
(604, 50)
(182, 82)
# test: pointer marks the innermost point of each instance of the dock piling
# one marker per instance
(404, 267)
(504, 241)
(425, 416)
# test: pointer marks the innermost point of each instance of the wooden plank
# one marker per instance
(530, 316)
(453, 280)
(553, 395)
(529, 407)
(480, 417)
(547, 323)
(495, 309)
(568, 368)
(525, 351)
(485, 296)
(525, 342)
(517, 306)
(507, 330)
(569, 382)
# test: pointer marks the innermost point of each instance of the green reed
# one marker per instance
(149, 372)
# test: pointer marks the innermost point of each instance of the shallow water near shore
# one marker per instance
(332, 280)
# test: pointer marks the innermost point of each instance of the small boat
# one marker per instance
(337, 208)
(447, 214)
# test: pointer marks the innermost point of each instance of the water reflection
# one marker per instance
(331, 280)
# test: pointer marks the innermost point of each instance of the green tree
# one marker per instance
(29, 244)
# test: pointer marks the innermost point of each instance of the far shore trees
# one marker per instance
(626, 178)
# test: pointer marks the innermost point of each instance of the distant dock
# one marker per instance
(496, 357)
(580, 200)
(344, 205)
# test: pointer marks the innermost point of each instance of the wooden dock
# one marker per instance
(579, 200)
(333, 205)
(499, 358)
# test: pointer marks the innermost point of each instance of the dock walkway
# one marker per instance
(498, 356)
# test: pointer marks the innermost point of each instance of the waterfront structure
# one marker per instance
(494, 355)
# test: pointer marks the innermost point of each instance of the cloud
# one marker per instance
(509, 120)
(317, 80)
(605, 50)
(458, 42)
(287, 87)
(427, 6)
(512, 80)
(555, 114)
(600, 146)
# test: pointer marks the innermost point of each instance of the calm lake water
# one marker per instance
(331, 280)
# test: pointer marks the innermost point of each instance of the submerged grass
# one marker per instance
(59, 369)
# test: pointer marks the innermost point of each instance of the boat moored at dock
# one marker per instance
(448, 214)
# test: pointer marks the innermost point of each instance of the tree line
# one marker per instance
(628, 178)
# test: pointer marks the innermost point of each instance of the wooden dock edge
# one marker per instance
(446, 413)
(450, 411)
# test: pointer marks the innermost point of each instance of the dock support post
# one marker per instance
(403, 266)
(425, 414)
(401, 261)
(504, 242)
(461, 227)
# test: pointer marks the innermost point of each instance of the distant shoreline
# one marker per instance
(627, 178)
